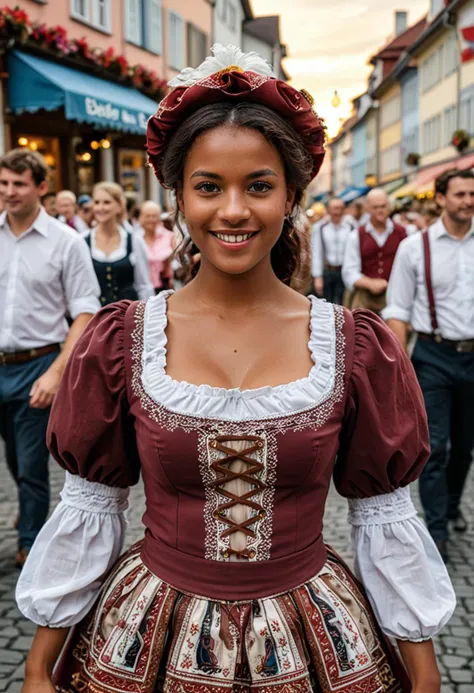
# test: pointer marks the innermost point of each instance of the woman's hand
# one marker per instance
(37, 685)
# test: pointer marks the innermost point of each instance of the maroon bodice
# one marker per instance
(235, 502)
(192, 469)
(377, 261)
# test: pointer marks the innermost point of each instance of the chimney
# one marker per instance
(401, 22)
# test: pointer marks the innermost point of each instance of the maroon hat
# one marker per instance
(234, 85)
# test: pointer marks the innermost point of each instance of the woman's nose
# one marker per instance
(234, 208)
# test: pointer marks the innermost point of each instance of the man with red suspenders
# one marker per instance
(432, 288)
(370, 252)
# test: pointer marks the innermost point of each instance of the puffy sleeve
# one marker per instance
(384, 446)
(91, 435)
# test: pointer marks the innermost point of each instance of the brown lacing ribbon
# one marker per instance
(248, 475)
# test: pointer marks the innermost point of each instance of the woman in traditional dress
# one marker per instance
(119, 257)
(238, 399)
(160, 244)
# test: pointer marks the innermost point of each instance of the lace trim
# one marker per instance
(381, 510)
(87, 495)
(313, 416)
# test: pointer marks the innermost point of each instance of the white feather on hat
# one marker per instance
(222, 58)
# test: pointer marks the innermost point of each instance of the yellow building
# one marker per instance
(438, 65)
(390, 134)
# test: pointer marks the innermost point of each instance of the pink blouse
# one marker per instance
(158, 253)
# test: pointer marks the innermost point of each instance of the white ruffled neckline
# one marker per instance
(234, 404)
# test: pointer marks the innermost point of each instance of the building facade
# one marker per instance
(97, 134)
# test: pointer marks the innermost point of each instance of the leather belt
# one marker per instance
(333, 268)
(7, 359)
(463, 346)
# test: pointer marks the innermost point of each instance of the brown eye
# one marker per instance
(260, 187)
(207, 187)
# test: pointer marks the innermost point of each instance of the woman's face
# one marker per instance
(234, 198)
(105, 207)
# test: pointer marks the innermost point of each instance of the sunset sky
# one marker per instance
(330, 41)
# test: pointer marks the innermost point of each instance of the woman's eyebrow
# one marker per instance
(262, 172)
(206, 174)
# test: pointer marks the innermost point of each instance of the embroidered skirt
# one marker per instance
(143, 636)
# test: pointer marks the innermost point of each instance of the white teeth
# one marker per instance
(234, 238)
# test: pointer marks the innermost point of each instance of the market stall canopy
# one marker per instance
(35, 83)
(407, 190)
(425, 179)
(351, 194)
(393, 185)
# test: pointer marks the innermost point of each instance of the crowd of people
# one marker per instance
(239, 401)
(414, 268)
(61, 259)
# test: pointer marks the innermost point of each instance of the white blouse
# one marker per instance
(405, 578)
(138, 259)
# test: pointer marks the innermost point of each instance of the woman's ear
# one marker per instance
(290, 197)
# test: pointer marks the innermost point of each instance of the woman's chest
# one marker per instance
(245, 356)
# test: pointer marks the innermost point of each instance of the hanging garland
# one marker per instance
(17, 28)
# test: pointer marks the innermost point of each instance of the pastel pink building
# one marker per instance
(97, 129)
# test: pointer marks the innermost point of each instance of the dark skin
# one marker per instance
(258, 328)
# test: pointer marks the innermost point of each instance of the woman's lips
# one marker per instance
(234, 241)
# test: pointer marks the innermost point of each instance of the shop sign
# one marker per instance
(115, 114)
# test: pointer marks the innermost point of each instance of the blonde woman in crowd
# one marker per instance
(160, 244)
(119, 257)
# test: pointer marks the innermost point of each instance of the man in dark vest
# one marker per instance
(328, 242)
(370, 252)
(432, 289)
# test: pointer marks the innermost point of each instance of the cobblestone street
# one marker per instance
(455, 646)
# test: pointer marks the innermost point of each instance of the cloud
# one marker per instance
(330, 42)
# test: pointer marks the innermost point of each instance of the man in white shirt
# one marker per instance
(369, 255)
(45, 271)
(432, 289)
(328, 242)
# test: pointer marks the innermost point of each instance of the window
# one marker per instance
(101, 14)
(410, 142)
(97, 13)
(390, 160)
(153, 26)
(197, 46)
(390, 112)
(451, 52)
(176, 41)
(432, 70)
(467, 114)
(80, 9)
(133, 21)
(450, 122)
(432, 135)
(410, 96)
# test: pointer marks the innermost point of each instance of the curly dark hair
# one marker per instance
(298, 164)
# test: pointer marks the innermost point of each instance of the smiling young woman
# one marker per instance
(239, 400)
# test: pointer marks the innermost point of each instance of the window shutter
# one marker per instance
(101, 16)
(153, 26)
(133, 21)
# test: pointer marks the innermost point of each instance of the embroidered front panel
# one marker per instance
(239, 474)
(313, 416)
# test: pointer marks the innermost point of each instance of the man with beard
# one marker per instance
(432, 288)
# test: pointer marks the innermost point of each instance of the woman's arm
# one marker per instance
(46, 648)
(420, 661)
